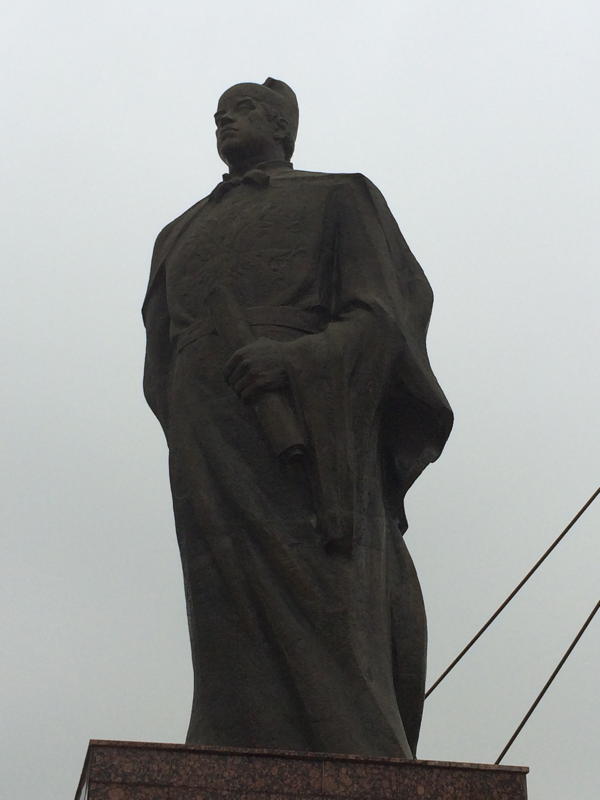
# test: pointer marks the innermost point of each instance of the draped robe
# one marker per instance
(306, 619)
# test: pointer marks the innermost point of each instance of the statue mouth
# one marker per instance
(224, 132)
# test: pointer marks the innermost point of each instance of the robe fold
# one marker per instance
(306, 618)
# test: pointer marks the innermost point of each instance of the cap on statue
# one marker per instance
(287, 101)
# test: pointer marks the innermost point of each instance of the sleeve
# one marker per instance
(155, 314)
(363, 386)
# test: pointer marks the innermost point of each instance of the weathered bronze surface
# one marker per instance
(286, 361)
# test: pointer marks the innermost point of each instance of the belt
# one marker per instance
(278, 316)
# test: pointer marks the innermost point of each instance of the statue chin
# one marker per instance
(233, 151)
(228, 156)
(242, 154)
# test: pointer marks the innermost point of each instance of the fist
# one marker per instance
(257, 367)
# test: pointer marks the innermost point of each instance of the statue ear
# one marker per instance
(282, 128)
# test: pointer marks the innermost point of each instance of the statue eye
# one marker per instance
(245, 105)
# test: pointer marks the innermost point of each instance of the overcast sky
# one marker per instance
(479, 122)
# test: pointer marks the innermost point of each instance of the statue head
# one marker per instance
(256, 122)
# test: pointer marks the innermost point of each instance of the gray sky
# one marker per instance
(479, 122)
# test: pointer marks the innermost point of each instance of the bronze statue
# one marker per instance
(286, 362)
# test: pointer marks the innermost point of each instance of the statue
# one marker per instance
(286, 320)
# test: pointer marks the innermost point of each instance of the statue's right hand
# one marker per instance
(257, 367)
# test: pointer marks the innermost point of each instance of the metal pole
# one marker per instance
(482, 630)
(547, 684)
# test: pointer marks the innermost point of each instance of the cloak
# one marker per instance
(320, 643)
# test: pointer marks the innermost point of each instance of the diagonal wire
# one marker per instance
(538, 563)
(547, 684)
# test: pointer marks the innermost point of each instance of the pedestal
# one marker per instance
(139, 771)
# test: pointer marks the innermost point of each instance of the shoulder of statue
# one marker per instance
(172, 226)
(333, 178)
(348, 183)
(168, 236)
(348, 187)
(171, 230)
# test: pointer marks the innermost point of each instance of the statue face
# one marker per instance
(245, 129)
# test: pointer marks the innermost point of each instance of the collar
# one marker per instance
(270, 167)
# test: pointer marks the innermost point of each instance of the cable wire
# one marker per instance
(547, 684)
(515, 591)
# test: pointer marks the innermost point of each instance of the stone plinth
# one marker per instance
(139, 771)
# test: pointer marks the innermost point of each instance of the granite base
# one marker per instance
(140, 771)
